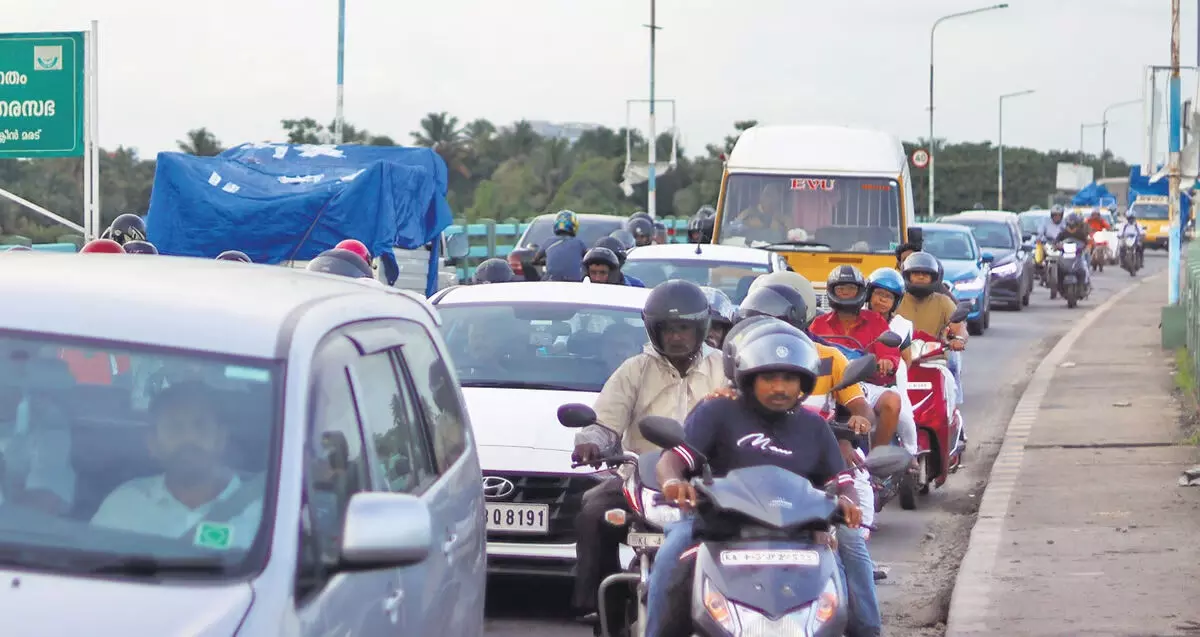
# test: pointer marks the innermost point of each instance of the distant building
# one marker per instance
(569, 131)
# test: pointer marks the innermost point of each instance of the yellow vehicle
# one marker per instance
(822, 196)
(1152, 215)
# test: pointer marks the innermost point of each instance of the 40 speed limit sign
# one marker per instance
(920, 158)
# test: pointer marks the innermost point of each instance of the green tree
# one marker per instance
(593, 188)
(200, 142)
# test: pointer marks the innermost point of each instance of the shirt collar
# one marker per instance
(159, 494)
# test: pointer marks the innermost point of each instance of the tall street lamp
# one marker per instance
(932, 31)
(1104, 135)
(339, 123)
(1083, 127)
(1000, 149)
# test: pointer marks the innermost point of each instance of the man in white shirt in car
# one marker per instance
(198, 497)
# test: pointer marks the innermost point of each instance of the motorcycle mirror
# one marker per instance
(888, 460)
(890, 339)
(961, 312)
(576, 415)
(859, 370)
(664, 432)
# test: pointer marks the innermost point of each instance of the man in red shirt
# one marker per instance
(851, 326)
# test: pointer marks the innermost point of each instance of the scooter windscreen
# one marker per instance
(771, 496)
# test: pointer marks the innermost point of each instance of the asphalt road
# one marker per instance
(920, 549)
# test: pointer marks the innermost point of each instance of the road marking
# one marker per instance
(970, 601)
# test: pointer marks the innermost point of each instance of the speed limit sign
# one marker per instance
(920, 158)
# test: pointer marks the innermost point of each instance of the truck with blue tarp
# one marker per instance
(286, 203)
(1149, 200)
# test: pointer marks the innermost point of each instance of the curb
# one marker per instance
(970, 601)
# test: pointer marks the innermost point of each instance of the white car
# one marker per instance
(730, 269)
(521, 351)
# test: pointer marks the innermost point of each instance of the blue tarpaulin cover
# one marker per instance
(1093, 194)
(263, 199)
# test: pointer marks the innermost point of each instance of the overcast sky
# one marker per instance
(239, 66)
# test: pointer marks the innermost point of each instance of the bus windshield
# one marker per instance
(1153, 211)
(806, 212)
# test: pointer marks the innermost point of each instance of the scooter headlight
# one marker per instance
(720, 609)
(825, 607)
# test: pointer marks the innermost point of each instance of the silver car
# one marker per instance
(196, 447)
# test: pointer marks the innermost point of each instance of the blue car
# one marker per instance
(967, 269)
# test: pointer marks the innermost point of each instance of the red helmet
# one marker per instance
(355, 246)
(102, 246)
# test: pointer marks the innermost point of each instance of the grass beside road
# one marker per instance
(1185, 382)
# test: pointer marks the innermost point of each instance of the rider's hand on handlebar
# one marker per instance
(722, 392)
(680, 493)
(885, 366)
(859, 424)
(851, 512)
(958, 344)
(587, 453)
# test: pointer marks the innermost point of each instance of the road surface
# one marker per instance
(921, 549)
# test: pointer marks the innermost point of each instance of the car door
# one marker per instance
(421, 445)
(328, 603)
(1022, 258)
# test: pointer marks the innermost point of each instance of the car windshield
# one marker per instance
(953, 245)
(731, 278)
(812, 212)
(134, 461)
(590, 229)
(540, 345)
(1156, 211)
(1032, 223)
(988, 234)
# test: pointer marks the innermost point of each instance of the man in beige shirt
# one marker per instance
(675, 371)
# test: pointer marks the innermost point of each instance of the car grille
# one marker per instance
(564, 494)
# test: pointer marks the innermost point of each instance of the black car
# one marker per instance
(1012, 271)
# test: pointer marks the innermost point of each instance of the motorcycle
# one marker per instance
(1050, 270)
(761, 565)
(645, 521)
(1130, 260)
(1073, 281)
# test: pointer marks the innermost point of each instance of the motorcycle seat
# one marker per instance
(646, 470)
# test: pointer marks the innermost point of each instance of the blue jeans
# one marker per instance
(666, 563)
(859, 572)
(954, 361)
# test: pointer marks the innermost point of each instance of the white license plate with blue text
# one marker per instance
(518, 518)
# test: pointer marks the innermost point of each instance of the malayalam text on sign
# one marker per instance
(41, 94)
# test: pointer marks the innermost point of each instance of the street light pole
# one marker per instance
(1000, 149)
(1082, 127)
(1104, 135)
(339, 119)
(651, 188)
(932, 31)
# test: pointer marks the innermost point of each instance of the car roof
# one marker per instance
(1031, 213)
(176, 302)
(789, 149)
(982, 215)
(708, 252)
(546, 292)
(955, 227)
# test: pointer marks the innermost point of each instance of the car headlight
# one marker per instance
(973, 283)
(1005, 270)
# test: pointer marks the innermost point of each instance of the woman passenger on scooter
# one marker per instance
(774, 371)
(885, 289)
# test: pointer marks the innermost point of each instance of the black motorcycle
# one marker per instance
(1130, 257)
(1071, 271)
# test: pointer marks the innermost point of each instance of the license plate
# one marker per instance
(644, 540)
(919, 385)
(1069, 250)
(518, 518)
(766, 558)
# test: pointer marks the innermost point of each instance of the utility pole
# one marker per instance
(339, 119)
(651, 188)
(1173, 162)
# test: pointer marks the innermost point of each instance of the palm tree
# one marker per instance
(519, 139)
(441, 132)
(200, 142)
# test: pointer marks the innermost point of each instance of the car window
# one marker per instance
(437, 394)
(954, 245)
(402, 459)
(542, 230)
(989, 234)
(97, 442)
(731, 278)
(334, 468)
(540, 345)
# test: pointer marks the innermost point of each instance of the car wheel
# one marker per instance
(975, 328)
(987, 318)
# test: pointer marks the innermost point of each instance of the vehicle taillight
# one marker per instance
(515, 264)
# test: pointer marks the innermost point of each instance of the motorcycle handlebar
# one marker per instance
(611, 461)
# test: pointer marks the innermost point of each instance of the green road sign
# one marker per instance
(41, 94)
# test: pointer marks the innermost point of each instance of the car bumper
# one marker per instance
(539, 560)
(1006, 288)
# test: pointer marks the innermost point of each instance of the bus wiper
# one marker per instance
(515, 384)
(147, 566)
(798, 243)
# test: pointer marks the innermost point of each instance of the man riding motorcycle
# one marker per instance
(1130, 228)
(928, 311)
(616, 274)
(1075, 229)
(493, 271)
(722, 313)
(773, 373)
(1047, 233)
(563, 255)
(847, 290)
(1096, 223)
(702, 225)
(642, 229)
(674, 372)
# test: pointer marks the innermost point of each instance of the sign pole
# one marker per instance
(88, 232)
(1173, 137)
(94, 109)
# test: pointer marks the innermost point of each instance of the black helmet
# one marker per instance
(846, 275)
(125, 228)
(769, 350)
(640, 227)
(776, 301)
(706, 211)
(1074, 219)
(676, 301)
(720, 307)
(234, 255)
(342, 263)
(494, 271)
(922, 262)
(700, 228)
(740, 331)
(614, 244)
(642, 214)
(140, 247)
(602, 256)
(625, 237)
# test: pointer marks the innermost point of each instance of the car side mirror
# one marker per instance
(385, 530)
(916, 235)
(576, 415)
(961, 312)
(1027, 237)
(457, 248)
(987, 257)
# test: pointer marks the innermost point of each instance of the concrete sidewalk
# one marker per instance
(1082, 529)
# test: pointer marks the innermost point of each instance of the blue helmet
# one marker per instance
(886, 279)
(566, 222)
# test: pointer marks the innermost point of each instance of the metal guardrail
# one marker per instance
(1190, 295)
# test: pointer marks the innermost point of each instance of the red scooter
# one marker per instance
(939, 423)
